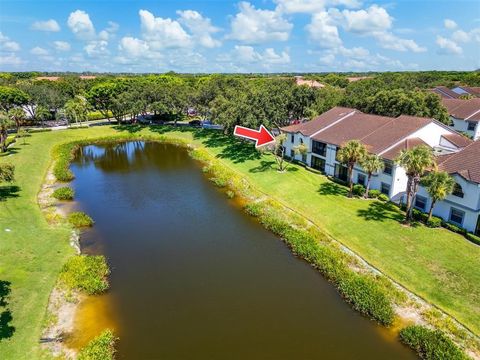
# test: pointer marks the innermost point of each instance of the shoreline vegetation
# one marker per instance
(364, 287)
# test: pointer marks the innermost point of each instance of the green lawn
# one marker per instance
(440, 266)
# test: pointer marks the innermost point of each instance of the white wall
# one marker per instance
(462, 126)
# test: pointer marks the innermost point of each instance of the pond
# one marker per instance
(193, 277)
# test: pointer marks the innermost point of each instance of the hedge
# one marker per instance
(431, 344)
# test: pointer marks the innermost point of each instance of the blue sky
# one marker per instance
(239, 36)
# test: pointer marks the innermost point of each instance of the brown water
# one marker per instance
(193, 277)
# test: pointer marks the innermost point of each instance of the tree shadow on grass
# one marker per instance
(130, 128)
(6, 329)
(264, 166)
(330, 188)
(378, 211)
(10, 151)
(9, 191)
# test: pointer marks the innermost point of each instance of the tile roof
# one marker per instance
(458, 139)
(445, 92)
(465, 163)
(463, 109)
(406, 144)
(327, 118)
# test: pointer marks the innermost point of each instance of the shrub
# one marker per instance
(230, 194)
(100, 348)
(86, 273)
(64, 193)
(358, 190)
(367, 297)
(374, 194)
(431, 344)
(383, 197)
(434, 222)
(454, 228)
(80, 219)
(473, 238)
(219, 182)
(253, 209)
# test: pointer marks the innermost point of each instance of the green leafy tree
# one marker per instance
(11, 97)
(102, 96)
(371, 164)
(439, 184)
(351, 153)
(7, 172)
(416, 162)
(76, 109)
(5, 124)
(17, 115)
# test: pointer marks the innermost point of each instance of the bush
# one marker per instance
(454, 228)
(383, 197)
(358, 190)
(431, 344)
(100, 348)
(473, 238)
(86, 273)
(434, 222)
(374, 194)
(64, 193)
(253, 209)
(80, 219)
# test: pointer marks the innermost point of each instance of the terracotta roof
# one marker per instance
(458, 139)
(327, 118)
(445, 92)
(406, 144)
(464, 109)
(358, 126)
(464, 163)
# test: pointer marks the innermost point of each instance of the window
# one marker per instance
(471, 126)
(457, 190)
(341, 172)
(388, 168)
(319, 148)
(456, 216)
(292, 154)
(292, 138)
(304, 158)
(361, 179)
(420, 202)
(318, 163)
(385, 189)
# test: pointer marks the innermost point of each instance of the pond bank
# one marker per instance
(269, 207)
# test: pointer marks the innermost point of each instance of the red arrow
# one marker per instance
(261, 137)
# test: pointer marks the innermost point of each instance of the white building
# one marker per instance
(465, 115)
(386, 137)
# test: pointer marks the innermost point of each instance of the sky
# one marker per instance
(239, 36)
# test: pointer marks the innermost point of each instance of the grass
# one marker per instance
(436, 264)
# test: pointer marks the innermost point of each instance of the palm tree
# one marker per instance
(42, 113)
(77, 109)
(5, 123)
(439, 184)
(371, 164)
(415, 161)
(351, 153)
(17, 114)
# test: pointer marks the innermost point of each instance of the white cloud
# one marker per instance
(200, 27)
(8, 45)
(108, 32)
(245, 55)
(460, 36)
(163, 33)
(61, 45)
(447, 46)
(255, 26)
(323, 31)
(449, 24)
(81, 26)
(11, 59)
(133, 48)
(47, 25)
(38, 51)
(312, 6)
(96, 48)
(355, 52)
(371, 20)
(387, 40)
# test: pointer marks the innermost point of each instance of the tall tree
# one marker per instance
(371, 164)
(439, 184)
(17, 115)
(77, 109)
(5, 124)
(11, 97)
(416, 162)
(351, 153)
